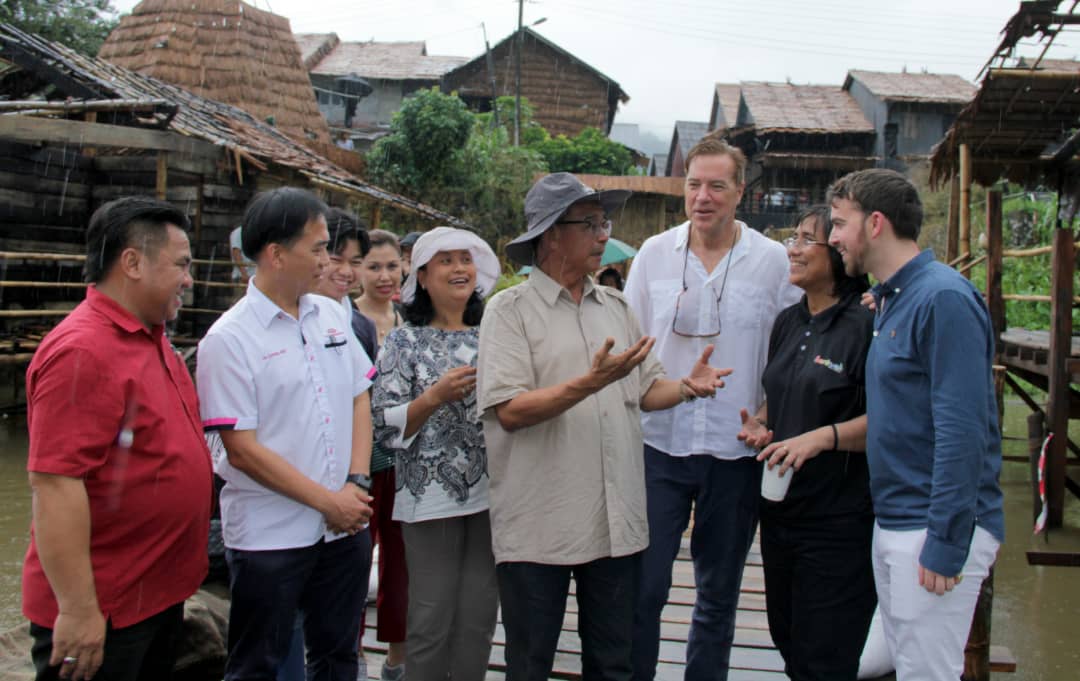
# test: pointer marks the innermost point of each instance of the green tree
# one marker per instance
(588, 152)
(81, 25)
(442, 154)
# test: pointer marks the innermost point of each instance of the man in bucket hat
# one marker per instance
(562, 374)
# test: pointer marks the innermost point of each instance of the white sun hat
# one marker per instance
(453, 239)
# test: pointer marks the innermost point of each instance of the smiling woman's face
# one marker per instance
(811, 269)
(381, 273)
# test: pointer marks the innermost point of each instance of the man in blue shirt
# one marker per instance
(933, 444)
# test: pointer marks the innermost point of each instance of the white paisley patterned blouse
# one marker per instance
(442, 469)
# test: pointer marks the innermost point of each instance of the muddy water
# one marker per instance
(1036, 609)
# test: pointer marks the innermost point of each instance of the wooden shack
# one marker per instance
(76, 132)
(655, 205)
(1021, 126)
(567, 94)
(798, 139)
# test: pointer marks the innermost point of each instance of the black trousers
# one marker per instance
(326, 582)
(819, 592)
(533, 598)
(144, 651)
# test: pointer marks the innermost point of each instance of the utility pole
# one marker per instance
(517, 74)
(491, 76)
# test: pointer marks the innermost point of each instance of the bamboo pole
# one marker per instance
(16, 314)
(162, 175)
(994, 237)
(967, 268)
(1057, 405)
(952, 234)
(964, 238)
(1035, 298)
(74, 257)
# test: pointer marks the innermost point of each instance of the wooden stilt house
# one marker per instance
(76, 132)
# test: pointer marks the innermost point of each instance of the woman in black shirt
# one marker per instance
(815, 544)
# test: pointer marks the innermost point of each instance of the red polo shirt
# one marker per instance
(111, 403)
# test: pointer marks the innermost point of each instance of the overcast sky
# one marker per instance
(667, 54)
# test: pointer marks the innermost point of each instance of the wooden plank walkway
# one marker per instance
(753, 657)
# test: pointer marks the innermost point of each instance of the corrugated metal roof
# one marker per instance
(805, 108)
(386, 61)
(914, 87)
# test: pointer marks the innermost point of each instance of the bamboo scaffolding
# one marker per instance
(973, 263)
(75, 257)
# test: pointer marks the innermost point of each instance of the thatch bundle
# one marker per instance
(225, 50)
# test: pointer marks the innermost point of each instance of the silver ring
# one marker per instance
(70, 660)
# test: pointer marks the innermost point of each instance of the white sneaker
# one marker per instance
(393, 673)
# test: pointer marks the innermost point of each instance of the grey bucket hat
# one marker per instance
(548, 200)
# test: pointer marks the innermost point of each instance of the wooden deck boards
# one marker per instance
(753, 656)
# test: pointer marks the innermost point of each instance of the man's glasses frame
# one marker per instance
(604, 227)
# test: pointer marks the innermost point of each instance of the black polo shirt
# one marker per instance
(814, 377)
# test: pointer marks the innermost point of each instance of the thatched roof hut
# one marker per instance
(225, 50)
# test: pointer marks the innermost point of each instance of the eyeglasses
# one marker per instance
(802, 241)
(699, 309)
(603, 227)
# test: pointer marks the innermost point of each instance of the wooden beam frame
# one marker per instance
(32, 130)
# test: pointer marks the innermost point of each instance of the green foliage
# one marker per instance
(506, 281)
(442, 154)
(81, 25)
(423, 151)
(589, 152)
(531, 132)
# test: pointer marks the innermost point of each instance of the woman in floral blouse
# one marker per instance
(424, 407)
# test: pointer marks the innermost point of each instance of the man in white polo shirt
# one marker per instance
(713, 280)
(283, 380)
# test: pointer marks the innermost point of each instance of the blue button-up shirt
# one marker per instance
(933, 443)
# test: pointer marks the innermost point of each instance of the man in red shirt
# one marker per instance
(118, 465)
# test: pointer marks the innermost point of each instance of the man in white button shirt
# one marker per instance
(713, 280)
(284, 381)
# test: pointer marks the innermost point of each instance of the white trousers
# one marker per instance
(926, 633)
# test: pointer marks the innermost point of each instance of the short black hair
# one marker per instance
(278, 216)
(886, 192)
(610, 272)
(134, 221)
(421, 311)
(345, 228)
(843, 283)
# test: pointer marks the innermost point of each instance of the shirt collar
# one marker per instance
(549, 289)
(742, 245)
(903, 276)
(117, 314)
(266, 310)
(824, 319)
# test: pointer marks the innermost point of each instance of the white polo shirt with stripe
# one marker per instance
(293, 383)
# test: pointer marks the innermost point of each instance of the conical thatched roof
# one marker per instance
(225, 50)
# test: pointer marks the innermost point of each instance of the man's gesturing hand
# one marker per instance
(705, 380)
(608, 368)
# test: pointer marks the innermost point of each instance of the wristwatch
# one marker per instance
(360, 480)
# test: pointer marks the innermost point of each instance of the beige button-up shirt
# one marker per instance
(571, 489)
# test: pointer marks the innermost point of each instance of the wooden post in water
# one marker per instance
(965, 205)
(977, 650)
(1057, 402)
(994, 265)
(952, 234)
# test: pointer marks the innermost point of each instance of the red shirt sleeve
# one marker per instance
(77, 412)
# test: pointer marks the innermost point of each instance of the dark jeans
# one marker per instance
(724, 496)
(819, 590)
(145, 651)
(533, 598)
(326, 582)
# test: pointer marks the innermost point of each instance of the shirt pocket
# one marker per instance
(745, 304)
(663, 294)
